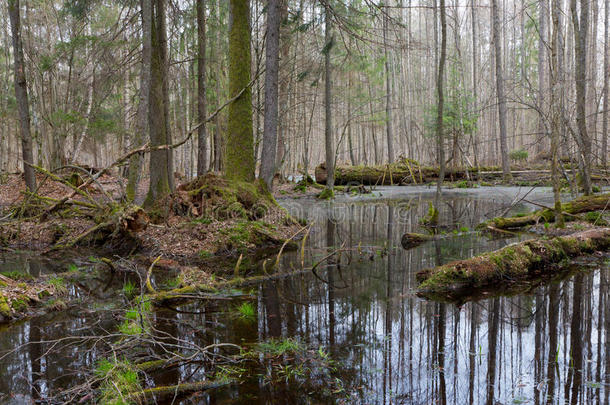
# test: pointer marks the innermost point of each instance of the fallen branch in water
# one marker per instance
(577, 206)
(514, 262)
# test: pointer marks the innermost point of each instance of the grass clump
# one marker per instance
(595, 218)
(17, 275)
(247, 311)
(129, 290)
(119, 379)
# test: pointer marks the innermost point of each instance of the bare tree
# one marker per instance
(268, 158)
(202, 137)
(141, 127)
(328, 132)
(606, 92)
(580, 27)
(556, 106)
(388, 87)
(500, 89)
(441, 99)
(21, 94)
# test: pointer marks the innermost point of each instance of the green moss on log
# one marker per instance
(515, 262)
(577, 206)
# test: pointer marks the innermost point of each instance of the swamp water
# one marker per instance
(547, 345)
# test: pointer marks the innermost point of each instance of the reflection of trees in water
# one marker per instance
(400, 349)
(384, 328)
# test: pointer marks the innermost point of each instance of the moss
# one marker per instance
(5, 308)
(239, 160)
(326, 194)
(513, 262)
(20, 304)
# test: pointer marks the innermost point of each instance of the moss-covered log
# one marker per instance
(159, 394)
(405, 171)
(515, 262)
(410, 239)
(577, 206)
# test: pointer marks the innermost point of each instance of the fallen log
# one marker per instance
(577, 206)
(512, 263)
(160, 394)
(405, 171)
(410, 240)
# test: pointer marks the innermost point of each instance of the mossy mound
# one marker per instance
(212, 196)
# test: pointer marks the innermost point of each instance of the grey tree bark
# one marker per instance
(141, 127)
(556, 106)
(581, 28)
(542, 67)
(202, 136)
(604, 151)
(328, 132)
(441, 100)
(160, 162)
(388, 86)
(21, 95)
(268, 157)
(500, 89)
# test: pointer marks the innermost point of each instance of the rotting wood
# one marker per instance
(515, 262)
(154, 395)
(406, 171)
(577, 206)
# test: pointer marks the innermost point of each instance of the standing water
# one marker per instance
(545, 344)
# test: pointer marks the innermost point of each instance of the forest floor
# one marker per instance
(208, 224)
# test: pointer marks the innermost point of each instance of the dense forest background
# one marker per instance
(83, 63)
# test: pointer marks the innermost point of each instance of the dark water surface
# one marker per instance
(547, 346)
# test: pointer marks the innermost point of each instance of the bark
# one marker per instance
(328, 133)
(268, 157)
(135, 162)
(388, 87)
(160, 164)
(440, 135)
(202, 137)
(606, 92)
(500, 89)
(556, 111)
(21, 95)
(581, 28)
(542, 66)
(240, 164)
(518, 261)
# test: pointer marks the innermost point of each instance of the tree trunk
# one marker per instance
(268, 157)
(160, 169)
(240, 163)
(202, 137)
(542, 66)
(440, 136)
(388, 87)
(141, 127)
(500, 89)
(581, 27)
(604, 151)
(21, 95)
(556, 110)
(328, 133)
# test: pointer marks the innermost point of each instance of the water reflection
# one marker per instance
(546, 347)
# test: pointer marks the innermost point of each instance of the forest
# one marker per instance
(304, 201)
